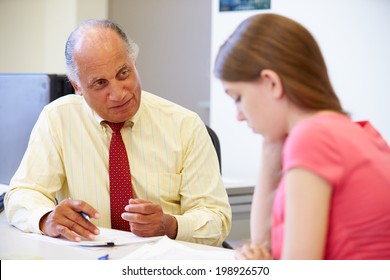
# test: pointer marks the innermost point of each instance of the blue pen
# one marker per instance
(2, 202)
(85, 216)
(105, 257)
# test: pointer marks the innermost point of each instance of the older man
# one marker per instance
(169, 179)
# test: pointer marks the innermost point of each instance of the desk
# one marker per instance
(15, 244)
(240, 194)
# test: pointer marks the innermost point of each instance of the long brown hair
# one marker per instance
(270, 41)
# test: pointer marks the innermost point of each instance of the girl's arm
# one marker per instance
(263, 197)
(307, 209)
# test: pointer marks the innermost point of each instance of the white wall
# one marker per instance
(174, 40)
(34, 32)
(354, 38)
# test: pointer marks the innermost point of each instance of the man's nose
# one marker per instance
(117, 92)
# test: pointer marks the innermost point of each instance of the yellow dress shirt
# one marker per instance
(172, 161)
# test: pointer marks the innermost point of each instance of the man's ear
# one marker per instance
(76, 88)
(274, 82)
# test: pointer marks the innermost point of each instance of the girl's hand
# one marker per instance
(253, 252)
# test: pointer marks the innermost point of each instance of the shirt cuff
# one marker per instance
(36, 217)
(185, 231)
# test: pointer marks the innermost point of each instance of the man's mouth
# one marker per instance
(122, 105)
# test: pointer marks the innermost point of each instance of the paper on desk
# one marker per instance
(3, 188)
(117, 237)
(168, 249)
(105, 238)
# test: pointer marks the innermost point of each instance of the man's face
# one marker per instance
(108, 77)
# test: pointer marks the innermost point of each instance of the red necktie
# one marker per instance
(120, 178)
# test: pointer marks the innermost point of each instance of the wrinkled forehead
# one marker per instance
(100, 46)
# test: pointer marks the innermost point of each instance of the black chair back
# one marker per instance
(217, 146)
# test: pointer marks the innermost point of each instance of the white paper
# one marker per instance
(105, 238)
(168, 249)
(3, 188)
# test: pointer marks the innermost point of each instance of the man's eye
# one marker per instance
(124, 74)
(237, 99)
(100, 83)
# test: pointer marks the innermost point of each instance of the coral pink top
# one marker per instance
(355, 160)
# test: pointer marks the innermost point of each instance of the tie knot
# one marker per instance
(116, 127)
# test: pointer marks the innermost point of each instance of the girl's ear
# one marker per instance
(274, 82)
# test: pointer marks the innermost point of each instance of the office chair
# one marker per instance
(217, 146)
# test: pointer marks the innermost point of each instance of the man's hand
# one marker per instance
(148, 219)
(66, 220)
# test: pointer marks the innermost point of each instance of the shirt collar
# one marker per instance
(129, 123)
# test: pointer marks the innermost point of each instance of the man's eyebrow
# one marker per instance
(125, 65)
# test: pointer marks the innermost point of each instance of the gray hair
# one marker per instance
(71, 66)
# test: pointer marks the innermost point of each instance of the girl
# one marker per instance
(324, 179)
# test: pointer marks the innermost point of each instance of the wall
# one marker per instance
(174, 39)
(33, 32)
(18, 29)
(354, 38)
